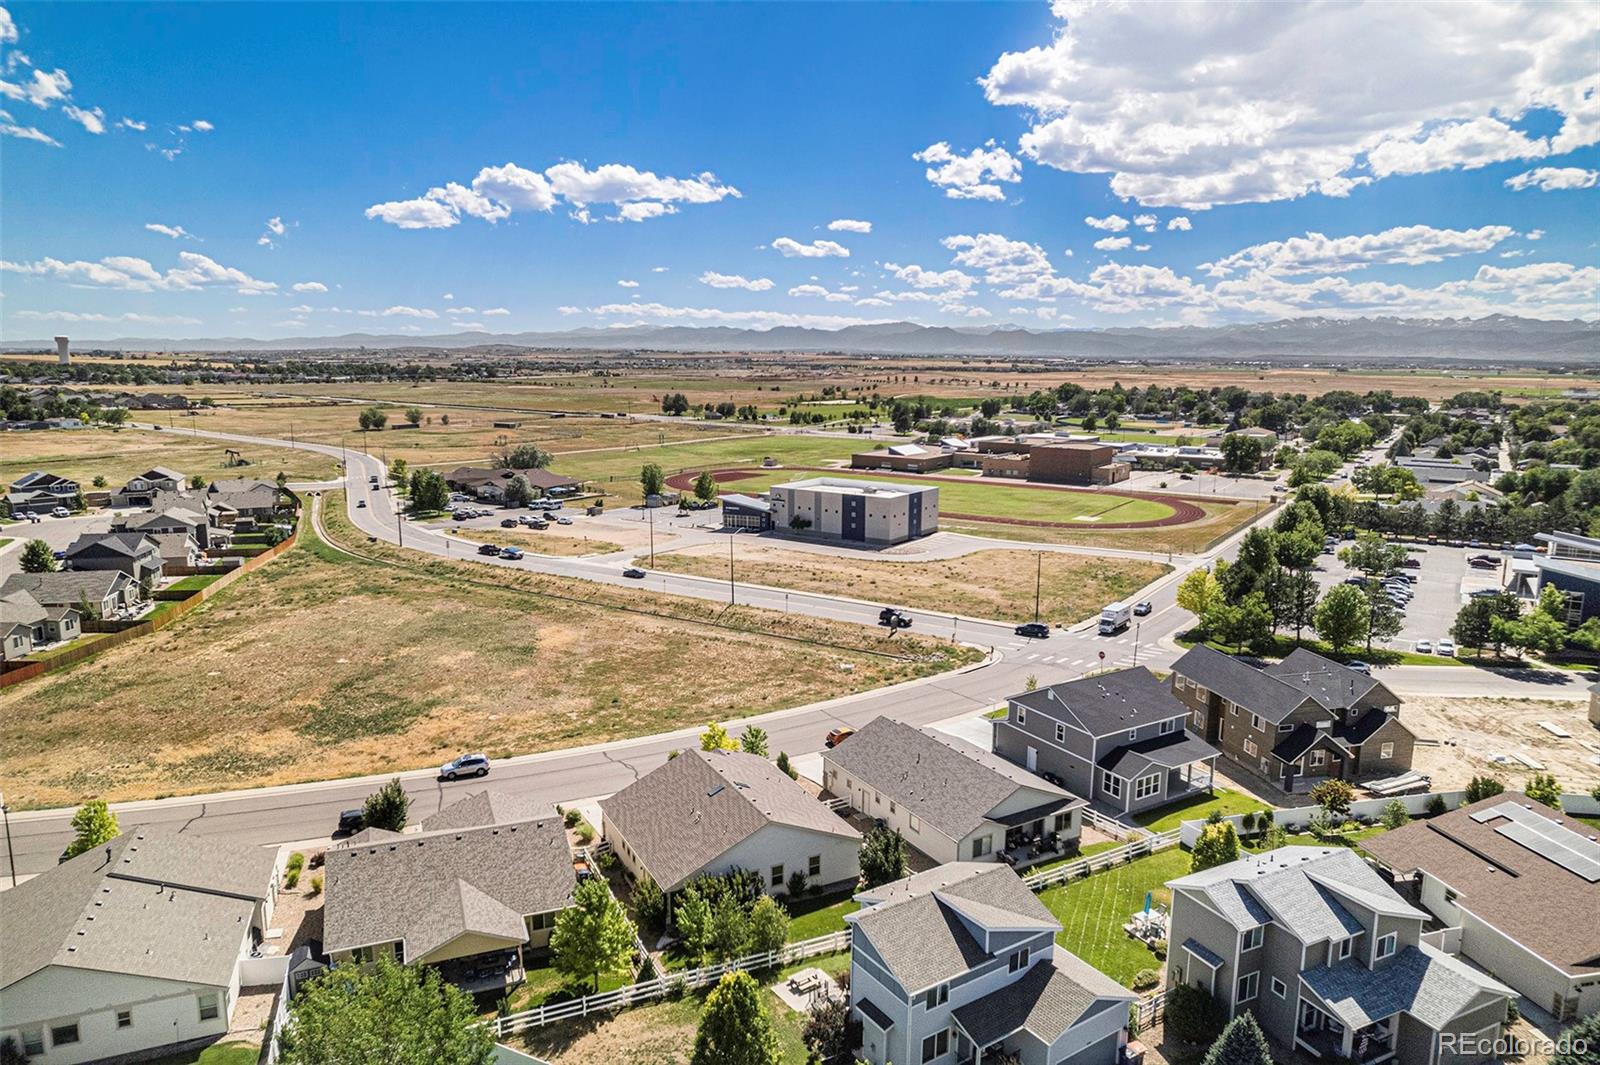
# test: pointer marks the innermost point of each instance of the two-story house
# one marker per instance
(175, 514)
(1117, 739)
(132, 553)
(26, 625)
(1330, 960)
(950, 800)
(959, 965)
(38, 492)
(141, 489)
(1297, 722)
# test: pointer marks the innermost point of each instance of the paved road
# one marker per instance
(309, 811)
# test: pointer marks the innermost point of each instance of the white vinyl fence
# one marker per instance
(1082, 867)
(279, 1018)
(668, 983)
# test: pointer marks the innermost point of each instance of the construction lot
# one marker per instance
(1462, 738)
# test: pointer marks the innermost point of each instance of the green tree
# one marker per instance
(1297, 602)
(1192, 1016)
(783, 764)
(429, 491)
(1577, 1045)
(652, 480)
(93, 825)
(197, 482)
(372, 418)
(1242, 1042)
(1474, 624)
(883, 857)
(414, 415)
(691, 916)
(649, 904)
(518, 492)
(735, 1026)
(1218, 844)
(1199, 592)
(523, 457)
(1543, 787)
(829, 1033)
(1334, 795)
(1248, 624)
(716, 738)
(593, 936)
(754, 741)
(1373, 555)
(399, 1014)
(705, 487)
(769, 925)
(1394, 814)
(730, 929)
(37, 557)
(1485, 787)
(1341, 617)
(397, 473)
(1384, 619)
(1241, 453)
(388, 807)
(114, 416)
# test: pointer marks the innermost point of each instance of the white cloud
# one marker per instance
(1402, 245)
(9, 127)
(716, 280)
(402, 311)
(1141, 247)
(131, 124)
(754, 319)
(628, 284)
(461, 310)
(129, 272)
(850, 225)
(495, 312)
(818, 290)
(1200, 105)
(1534, 234)
(918, 278)
(42, 89)
(817, 249)
(659, 269)
(175, 232)
(971, 176)
(202, 125)
(275, 226)
(1554, 179)
(82, 316)
(8, 28)
(1181, 222)
(421, 213)
(1111, 223)
(309, 286)
(1146, 222)
(1113, 243)
(448, 296)
(92, 119)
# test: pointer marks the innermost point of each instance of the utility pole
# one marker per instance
(1136, 625)
(649, 510)
(1038, 582)
(730, 570)
(11, 860)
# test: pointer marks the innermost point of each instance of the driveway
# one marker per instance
(59, 533)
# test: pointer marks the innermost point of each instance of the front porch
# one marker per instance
(1323, 1037)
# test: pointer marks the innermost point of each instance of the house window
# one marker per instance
(1386, 945)
(1279, 988)
(1022, 714)
(1386, 751)
(209, 1007)
(1061, 733)
(1318, 759)
(33, 1041)
(1249, 986)
(1018, 960)
(981, 846)
(1233, 707)
(124, 1018)
(1258, 722)
(891, 806)
(1250, 747)
(1147, 786)
(814, 865)
(1251, 939)
(1168, 727)
(936, 1046)
(1345, 947)
(1110, 784)
(935, 996)
(1287, 726)
(777, 876)
(361, 955)
(63, 1034)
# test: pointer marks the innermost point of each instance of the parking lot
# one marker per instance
(1439, 588)
(59, 533)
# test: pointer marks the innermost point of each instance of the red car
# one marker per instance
(838, 736)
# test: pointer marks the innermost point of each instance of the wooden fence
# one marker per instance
(116, 633)
(1060, 874)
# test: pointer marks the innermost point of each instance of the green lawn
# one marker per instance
(819, 916)
(1092, 912)
(1378, 656)
(1198, 809)
(192, 583)
(231, 1052)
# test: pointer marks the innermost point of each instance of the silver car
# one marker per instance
(468, 765)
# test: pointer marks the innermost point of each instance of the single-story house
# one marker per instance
(96, 592)
(949, 799)
(489, 483)
(26, 625)
(132, 553)
(140, 491)
(177, 549)
(476, 892)
(1521, 882)
(132, 948)
(251, 501)
(716, 811)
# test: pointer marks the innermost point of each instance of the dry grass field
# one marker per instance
(116, 455)
(547, 542)
(323, 665)
(986, 584)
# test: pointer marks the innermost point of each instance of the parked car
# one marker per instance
(61, 512)
(508, 523)
(1034, 630)
(894, 619)
(838, 736)
(1424, 647)
(512, 553)
(634, 572)
(538, 523)
(1412, 563)
(551, 504)
(468, 765)
(1446, 648)
(1359, 666)
(1143, 608)
(461, 515)
(352, 821)
(488, 549)
(563, 521)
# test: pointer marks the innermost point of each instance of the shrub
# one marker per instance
(1159, 949)
(291, 879)
(388, 807)
(571, 818)
(1192, 1016)
(1436, 806)
(296, 862)
(316, 885)
(1145, 979)
(797, 884)
(1544, 788)
(1394, 814)
(585, 833)
(649, 904)
(1480, 788)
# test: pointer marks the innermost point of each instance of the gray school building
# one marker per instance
(869, 512)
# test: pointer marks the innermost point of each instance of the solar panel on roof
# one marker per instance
(1544, 837)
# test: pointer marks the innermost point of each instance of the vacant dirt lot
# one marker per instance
(320, 665)
(986, 584)
(1471, 733)
(116, 455)
(547, 542)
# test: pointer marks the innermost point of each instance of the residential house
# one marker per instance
(141, 489)
(475, 893)
(959, 965)
(132, 553)
(95, 593)
(1297, 722)
(175, 513)
(177, 549)
(1329, 959)
(26, 625)
(252, 502)
(490, 483)
(716, 811)
(950, 799)
(1117, 739)
(1521, 882)
(132, 948)
(40, 493)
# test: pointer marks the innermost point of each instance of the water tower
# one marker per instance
(63, 354)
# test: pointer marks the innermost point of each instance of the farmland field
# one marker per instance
(116, 455)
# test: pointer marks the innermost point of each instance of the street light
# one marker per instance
(11, 860)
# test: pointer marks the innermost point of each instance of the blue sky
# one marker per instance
(426, 168)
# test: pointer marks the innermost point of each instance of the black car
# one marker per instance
(1034, 630)
(352, 820)
(488, 549)
(508, 523)
(634, 572)
(894, 619)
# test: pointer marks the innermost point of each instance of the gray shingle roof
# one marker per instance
(165, 904)
(1333, 686)
(19, 608)
(916, 924)
(952, 785)
(410, 887)
(1430, 986)
(683, 815)
(1255, 690)
(1047, 1000)
(1165, 752)
(66, 587)
(1106, 704)
(131, 544)
(486, 808)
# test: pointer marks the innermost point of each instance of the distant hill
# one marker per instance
(1497, 338)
